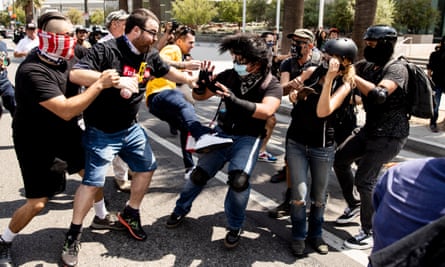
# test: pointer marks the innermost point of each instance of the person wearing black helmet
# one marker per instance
(383, 135)
(251, 94)
(310, 140)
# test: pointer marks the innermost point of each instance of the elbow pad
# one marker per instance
(378, 95)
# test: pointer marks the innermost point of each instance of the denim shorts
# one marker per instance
(131, 145)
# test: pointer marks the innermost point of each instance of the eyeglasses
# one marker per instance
(152, 32)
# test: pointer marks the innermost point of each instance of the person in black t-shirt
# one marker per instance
(251, 94)
(384, 133)
(45, 132)
(436, 70)
(110, 120)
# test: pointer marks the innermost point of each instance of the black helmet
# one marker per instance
(381, 32)
(343, 47)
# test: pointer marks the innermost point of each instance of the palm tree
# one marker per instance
(292, 19)
(27, 6)
(123, 4)
(364, 17)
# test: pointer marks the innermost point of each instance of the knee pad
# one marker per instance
(238, 180)
(199, 176)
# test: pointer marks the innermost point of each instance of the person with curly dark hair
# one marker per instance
(251, 94)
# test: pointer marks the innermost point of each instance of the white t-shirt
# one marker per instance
(26, 44)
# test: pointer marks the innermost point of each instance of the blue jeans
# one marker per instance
(171, 106)
(301, 159)
(7, 93)
(242, 156)
(437, 96)
(373, 152)
(131, 144)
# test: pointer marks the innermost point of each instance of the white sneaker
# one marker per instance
(188, 172)
(208, 142)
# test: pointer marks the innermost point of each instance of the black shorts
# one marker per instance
(44, 161)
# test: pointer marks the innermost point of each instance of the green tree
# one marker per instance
(255, 10)
(230, 11)
(386, 12)
(416, 16)
(75, 15)
(311, 10)
(97, 17)
(194, 12)
(340, 14)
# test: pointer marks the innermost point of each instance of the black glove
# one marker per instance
(241, 106)
(378, 95)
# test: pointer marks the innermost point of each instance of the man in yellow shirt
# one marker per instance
(170, 105)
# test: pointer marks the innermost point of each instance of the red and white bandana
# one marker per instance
(57, 45)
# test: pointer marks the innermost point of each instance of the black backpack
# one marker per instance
(419, 89)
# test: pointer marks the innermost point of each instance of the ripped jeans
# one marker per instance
(300, 160)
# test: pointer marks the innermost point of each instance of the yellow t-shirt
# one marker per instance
(172, 53)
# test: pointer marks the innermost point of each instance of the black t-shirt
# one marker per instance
(294, 68)
(110, 112)
(35, 82)
(436, 64)
(391, 117)
(306, 127)
(241, 124)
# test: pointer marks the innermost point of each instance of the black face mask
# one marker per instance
(295, 51)
(380, 54)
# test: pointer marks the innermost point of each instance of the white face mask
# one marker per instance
(240, 69)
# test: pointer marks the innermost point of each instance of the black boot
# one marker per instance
(283, 209)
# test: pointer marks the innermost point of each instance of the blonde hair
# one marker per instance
(348, 73)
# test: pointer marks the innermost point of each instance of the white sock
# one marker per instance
(100, 209)
(7, 235)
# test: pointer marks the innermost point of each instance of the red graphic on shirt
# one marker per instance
(129, 71)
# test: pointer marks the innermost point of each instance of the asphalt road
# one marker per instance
(199, 241)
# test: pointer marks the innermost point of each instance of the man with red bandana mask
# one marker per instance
(47, 107)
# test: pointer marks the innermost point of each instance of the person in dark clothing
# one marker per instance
(436, 70)
(384, 133)
(6, 88)
(251, 94)
(47, 107)
(111, 125)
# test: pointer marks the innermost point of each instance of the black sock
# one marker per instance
(131, 212)
(75, 231)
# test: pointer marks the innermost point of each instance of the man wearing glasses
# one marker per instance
(111, 125)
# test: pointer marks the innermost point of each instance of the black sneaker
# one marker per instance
(5, 253)
(361, 241)
(232, 238)
(70, 251)
(297, 247)
(174, 220)
(434, 128)
(349, 215)
(282, 210)
(319, 245)
(110, 222)
(133, 225)
(280, 176)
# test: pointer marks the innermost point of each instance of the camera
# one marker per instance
(175, 26)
